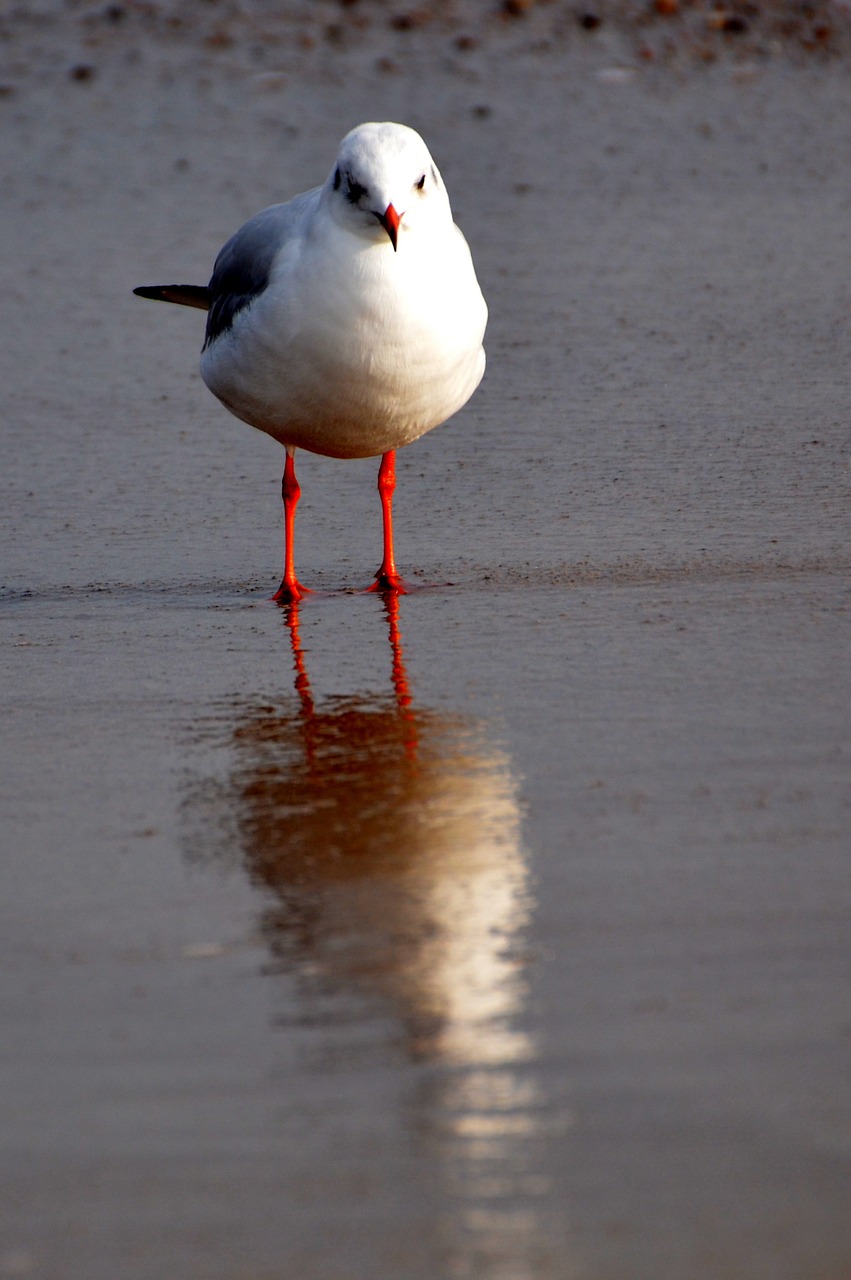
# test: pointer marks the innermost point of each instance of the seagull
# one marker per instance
(348, 321)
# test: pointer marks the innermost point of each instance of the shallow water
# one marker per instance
(500, 930)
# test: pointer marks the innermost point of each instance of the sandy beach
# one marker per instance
(499, 931)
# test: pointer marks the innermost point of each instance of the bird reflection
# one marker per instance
(387, 840)
(390, 837)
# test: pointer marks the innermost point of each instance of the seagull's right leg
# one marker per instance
(290, 588)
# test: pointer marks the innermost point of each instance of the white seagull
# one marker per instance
(348, 321)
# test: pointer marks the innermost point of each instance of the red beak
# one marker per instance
(389, 220)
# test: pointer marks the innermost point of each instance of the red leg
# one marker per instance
(290, 588)
(388, 578)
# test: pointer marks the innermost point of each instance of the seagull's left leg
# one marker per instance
(388, 578)
(290, 589)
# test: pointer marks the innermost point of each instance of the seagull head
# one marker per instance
(385, 183)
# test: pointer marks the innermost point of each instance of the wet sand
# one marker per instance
(503, 933)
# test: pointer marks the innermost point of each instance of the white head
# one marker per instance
(385, 184)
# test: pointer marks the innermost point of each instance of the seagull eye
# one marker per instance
(355, 191)
(419, 185)
(337, 179)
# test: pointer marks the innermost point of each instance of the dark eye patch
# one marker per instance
(419, 185)
(337, 179)
(355, 191)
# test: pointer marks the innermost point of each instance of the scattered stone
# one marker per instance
(219, 39)
(409, 21)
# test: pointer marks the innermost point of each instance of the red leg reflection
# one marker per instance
(290, 589)
(308, 718)
(400, 676)
(302, 681)
(388, 578)
(314, 722)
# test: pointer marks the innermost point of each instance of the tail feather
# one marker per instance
(186, 295)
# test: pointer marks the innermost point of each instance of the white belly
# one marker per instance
(351, 354)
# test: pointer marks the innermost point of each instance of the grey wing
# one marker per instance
(244, 266)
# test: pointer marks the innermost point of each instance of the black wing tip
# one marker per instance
(185, 295)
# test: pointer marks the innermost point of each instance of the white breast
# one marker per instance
(354, 349)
